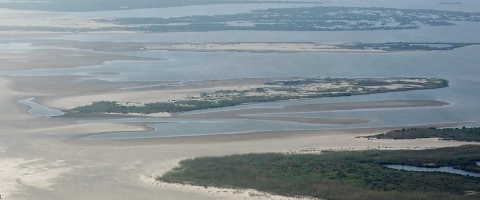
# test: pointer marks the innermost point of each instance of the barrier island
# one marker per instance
(274, 90)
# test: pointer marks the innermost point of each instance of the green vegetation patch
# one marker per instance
(338, 175)
(273, 91)
(463, 134)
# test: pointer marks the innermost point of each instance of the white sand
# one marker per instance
(17, 173)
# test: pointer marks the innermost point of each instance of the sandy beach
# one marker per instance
(48, 158)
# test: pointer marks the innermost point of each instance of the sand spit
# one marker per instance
(253, 47)
(259, 47)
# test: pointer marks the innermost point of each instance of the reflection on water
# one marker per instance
(440, 169)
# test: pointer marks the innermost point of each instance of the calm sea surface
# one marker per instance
(461, 67)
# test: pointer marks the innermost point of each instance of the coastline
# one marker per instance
(137, 159)
(48, 158)
(348, 144)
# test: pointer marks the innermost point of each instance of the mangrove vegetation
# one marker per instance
(345, 175)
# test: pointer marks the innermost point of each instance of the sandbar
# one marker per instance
(259, 47)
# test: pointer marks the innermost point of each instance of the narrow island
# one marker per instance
(269, 91)
(457, 134)
(299, 47)
(346, 175)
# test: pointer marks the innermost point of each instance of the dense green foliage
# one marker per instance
(225, 98)
(171, 107)
(337, 175)
(463, 134)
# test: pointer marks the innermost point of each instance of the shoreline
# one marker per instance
(184, 99)
(48, 158)
(242, 193)
(137, 158)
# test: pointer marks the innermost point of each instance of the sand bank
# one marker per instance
(259, 47)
